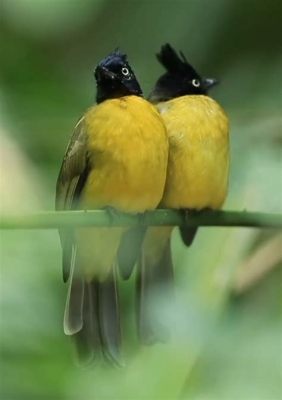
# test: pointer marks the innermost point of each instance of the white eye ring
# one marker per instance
(196, 82)
(125, 71)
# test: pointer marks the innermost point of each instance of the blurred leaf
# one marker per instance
(221, 348)
(48, 18)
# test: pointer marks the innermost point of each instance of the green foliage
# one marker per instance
(222, 346)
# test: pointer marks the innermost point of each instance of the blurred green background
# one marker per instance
(227, 324)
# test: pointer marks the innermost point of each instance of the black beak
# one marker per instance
(208, 83)
(103, 73)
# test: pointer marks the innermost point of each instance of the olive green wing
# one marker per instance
(70, 182)
(92, 308)
(73, 167)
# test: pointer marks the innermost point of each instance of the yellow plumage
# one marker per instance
(198, 165)
(116, 157)
(198, 162)
(197, 178)
(197, 173)
(128, 150)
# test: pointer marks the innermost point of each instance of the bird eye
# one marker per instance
(196, 82)
(125, 71)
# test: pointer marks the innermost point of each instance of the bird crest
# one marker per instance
(173, 62)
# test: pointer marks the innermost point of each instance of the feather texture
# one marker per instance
(174, 63)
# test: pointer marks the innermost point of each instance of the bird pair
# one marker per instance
(134, 155)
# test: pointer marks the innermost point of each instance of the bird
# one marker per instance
(197, 174)
(116, 159)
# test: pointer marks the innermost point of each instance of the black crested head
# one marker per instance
(180, 79)
(115, 78)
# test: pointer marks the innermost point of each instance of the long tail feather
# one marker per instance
(87, 340)
(129, 250)
(92, 315)
(153, 279)
(109, 318)
(73, 317)
(67, 252)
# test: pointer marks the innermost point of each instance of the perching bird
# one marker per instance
(197, 174)
(117, 158)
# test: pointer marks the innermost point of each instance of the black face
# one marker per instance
(115, 78)
(180, 79)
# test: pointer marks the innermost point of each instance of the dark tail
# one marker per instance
(153, 279)
(129, 250)
(92, 318)
(109, 318)
(188, 235)
(87, 340)
(68, 251)
(73, 317)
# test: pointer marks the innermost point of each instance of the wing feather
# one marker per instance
(70, 182)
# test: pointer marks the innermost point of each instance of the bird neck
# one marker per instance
(110, 91)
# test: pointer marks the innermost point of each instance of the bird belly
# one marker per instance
(198, 165)
(129, 149)
(122, 189)
(130, 157)
(201, 183)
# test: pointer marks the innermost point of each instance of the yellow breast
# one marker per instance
(128, 150)
(198, 165)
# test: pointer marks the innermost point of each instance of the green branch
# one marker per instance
(65, 219)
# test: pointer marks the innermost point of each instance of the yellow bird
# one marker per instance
(197, 174)
(116, 158)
